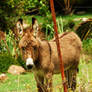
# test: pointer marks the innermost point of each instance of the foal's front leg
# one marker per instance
(49, 82)
(40, 83)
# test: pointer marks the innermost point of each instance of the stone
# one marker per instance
(3, 77)
(17, 70)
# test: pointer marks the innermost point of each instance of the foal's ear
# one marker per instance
(19, 26)
(35, 26)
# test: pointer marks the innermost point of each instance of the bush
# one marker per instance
(87, 46)
(10, 11)
(5, 61)
(21, 62)
(69, 26)
(48, 27)
(84, 30)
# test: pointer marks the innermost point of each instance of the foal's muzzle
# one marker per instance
(29, 63)
(29, 66)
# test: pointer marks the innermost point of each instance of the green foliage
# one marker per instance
(69, 26)
(48, 27)
(87, 46)
(44, 9)
(5, 61)
(49, 31)
(10, 10)
(21, 62)
(60, 25)
(85, 29)
(40, 6)
(9, 40)
(2, 47)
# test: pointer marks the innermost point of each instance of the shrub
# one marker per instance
(10, 11)
(48, 27)
(21, 62)
(69, 26)
(5, 61)
(84, 30)
(87, 46)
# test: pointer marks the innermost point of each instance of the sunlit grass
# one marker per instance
(41, 19)
(18, 83)
(26, 82)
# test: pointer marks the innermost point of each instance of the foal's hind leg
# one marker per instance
(67, 78)
(71, 78)
(73, 82)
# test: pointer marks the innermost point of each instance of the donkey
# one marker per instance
(42, 58)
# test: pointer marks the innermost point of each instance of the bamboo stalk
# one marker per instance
(58, 45)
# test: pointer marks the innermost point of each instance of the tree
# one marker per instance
(10, 10)
(40, 7)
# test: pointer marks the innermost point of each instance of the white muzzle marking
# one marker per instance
(29, 61)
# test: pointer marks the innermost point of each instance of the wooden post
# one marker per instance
(58, 45)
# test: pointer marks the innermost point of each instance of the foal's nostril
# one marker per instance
(29, 66)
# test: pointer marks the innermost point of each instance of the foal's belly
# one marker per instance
(57, 71)
(56, 68)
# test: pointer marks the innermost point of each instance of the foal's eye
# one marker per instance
(34, 47)
(23, 48)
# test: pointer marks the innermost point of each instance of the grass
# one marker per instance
(28, 19)
(18, 83)
(26, 82)
(41, 19)
(84, 79)
(69, 17)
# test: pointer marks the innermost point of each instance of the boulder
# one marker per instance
(3, 77)
(14, 69)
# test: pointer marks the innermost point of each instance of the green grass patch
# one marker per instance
(28, 19)
(27, 83)
(18, 83)
(66, 18)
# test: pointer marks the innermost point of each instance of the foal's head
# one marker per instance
(29, 45)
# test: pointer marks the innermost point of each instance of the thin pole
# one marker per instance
(58, 45)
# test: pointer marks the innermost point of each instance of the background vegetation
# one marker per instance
(70, 17)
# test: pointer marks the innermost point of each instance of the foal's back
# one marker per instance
(71, 46)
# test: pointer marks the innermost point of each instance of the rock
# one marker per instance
(14, 69)
(3, 77)
(84, 19)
